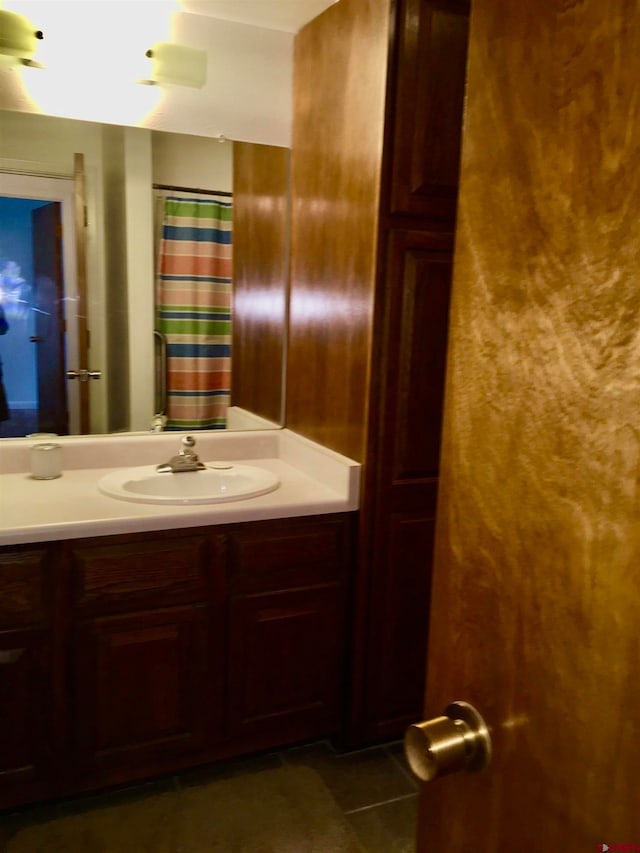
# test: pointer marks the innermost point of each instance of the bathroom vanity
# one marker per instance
(129, 654)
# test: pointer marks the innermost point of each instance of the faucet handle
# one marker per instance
(188, 441)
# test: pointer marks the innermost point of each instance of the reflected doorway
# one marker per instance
(38, 293)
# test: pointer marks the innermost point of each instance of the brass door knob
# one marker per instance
(459, 740)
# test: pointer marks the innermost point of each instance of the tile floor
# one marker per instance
(373, 787)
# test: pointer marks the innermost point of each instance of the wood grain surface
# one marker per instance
(260, 277)
(536, 588)
(339, 93)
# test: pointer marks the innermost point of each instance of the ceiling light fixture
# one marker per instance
(176, 65)
(18, 40)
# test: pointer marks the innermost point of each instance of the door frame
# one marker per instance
(60, 189)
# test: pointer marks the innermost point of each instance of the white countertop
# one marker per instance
(313, 480)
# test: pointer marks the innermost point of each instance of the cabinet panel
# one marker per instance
(23, 587)
(419, 286)
(25, 720)
(400, 612)
(403, 478)
(429, 97)
(285, 663)
(422, 344)
(116, 577)
(142, 687)
(282, 554)
(26, 676)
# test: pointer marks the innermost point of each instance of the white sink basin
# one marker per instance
(211, 485)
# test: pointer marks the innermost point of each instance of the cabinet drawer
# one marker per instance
(284, 555)
(23, 586)
(116, 578)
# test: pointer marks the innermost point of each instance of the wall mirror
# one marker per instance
(130, 175)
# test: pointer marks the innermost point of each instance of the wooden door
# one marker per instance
(536, 587)
(49, 319)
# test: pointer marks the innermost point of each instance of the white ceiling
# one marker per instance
(287, 15)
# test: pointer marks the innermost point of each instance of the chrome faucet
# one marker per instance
(186, 460)
(158, 423)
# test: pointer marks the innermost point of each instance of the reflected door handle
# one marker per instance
(459, 740)
(84, 375)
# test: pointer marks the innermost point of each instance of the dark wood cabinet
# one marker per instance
(423, 123)
(126, 656)
(287, 630)
(374, 181)
(404, 475)
(26, 674)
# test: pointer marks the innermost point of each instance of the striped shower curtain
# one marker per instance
(193, 304)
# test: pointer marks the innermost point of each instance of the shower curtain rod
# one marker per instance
(190, 190)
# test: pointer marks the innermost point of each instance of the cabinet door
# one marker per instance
(25, 721)
(410, 403)
(285, 665)
(429, 96)
(26, 692)
(143, 692)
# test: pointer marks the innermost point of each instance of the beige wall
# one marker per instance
(247, 96)
(192, 161)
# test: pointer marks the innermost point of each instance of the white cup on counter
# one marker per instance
(46, 461)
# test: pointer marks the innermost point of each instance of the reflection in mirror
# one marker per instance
(222, 279)
(193, 308)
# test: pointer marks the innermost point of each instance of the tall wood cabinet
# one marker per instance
(375, 181)
(415, 262)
